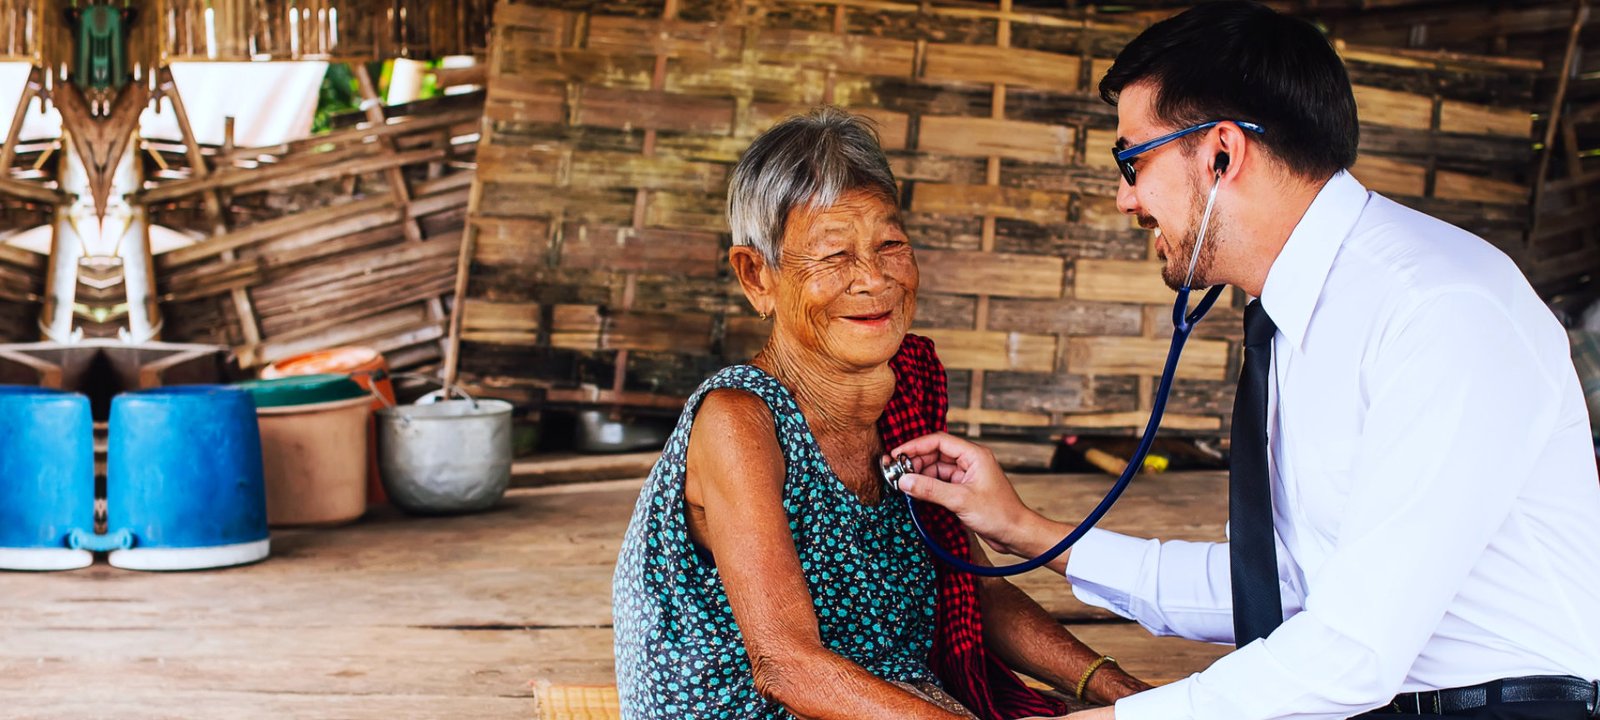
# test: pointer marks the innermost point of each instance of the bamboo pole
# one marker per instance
(469, 235)
(1552, 123)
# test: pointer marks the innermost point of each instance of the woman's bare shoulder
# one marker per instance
(734, 435)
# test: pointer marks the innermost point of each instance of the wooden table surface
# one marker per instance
(402, 617)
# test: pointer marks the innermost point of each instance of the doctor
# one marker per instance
(1414, 511)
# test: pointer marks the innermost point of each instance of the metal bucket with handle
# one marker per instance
(444, 455)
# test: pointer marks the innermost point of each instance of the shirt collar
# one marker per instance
(1298, 274)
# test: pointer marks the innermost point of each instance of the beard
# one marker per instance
(1175, 269)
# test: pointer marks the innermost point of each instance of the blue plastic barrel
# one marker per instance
(46, 478)
(184, 487)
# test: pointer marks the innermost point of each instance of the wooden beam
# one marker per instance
(562, 469)
(387, 162)
(249, 325)
(30, 90)
(329, 221)
(22, 258)
(206, 181)
(30, 191)
(365, 132)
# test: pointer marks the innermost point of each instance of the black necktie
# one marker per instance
(1252, 558)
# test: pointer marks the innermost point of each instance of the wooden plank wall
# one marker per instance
(596, 269)
(345, 238)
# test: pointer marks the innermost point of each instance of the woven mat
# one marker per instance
(599, 702)
(575, 702)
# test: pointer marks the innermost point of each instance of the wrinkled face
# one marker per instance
(1170, 196)
(847, 280)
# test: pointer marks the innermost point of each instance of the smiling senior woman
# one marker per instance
(766, 573)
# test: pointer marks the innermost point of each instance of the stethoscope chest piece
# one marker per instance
(893, 469)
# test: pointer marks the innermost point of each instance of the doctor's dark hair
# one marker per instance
(1235, 60)
(811, 159)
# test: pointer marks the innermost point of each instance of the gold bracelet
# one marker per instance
(1083, 682)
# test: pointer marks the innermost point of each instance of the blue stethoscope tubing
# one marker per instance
(1183, 323)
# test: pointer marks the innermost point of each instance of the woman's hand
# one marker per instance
(977, 491)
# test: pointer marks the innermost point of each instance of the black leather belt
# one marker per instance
(1535, 688)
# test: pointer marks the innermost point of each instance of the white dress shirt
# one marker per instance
(1433, 482)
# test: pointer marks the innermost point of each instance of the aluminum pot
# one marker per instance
(448, 456)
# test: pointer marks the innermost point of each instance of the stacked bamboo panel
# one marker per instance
(594, 265)
(22, 275)
(345, 238)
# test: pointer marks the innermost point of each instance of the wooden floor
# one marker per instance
(400, 617)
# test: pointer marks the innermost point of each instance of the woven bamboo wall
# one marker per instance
(597, 246)
(1561, 250)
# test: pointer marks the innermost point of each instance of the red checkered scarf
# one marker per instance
(966, 668)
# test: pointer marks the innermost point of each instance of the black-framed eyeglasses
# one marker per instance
(1124, 157)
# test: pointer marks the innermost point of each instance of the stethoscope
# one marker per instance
(1182, 325)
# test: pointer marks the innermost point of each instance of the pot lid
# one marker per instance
(301, 390)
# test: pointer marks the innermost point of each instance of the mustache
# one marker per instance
(1147, 222)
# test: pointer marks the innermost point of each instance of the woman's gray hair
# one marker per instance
(814, 158)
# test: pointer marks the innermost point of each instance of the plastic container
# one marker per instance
(184, 484)
(452, 456)
(364, 365)
(313, 447)
(46, 478)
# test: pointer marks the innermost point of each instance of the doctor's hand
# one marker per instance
(965, 478)
(1105, 713)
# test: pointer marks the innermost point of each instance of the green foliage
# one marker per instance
(339, 94)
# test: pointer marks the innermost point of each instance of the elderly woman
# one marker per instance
(768, 571)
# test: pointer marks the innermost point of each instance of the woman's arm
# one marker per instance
(735, 478)
(1029, 641)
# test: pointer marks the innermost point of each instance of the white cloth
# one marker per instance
(1434, 485)
(271, 102)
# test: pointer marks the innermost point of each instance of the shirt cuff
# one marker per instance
(1104, 569)
(1168, 702)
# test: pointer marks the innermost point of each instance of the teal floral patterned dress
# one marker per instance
(680, 653)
